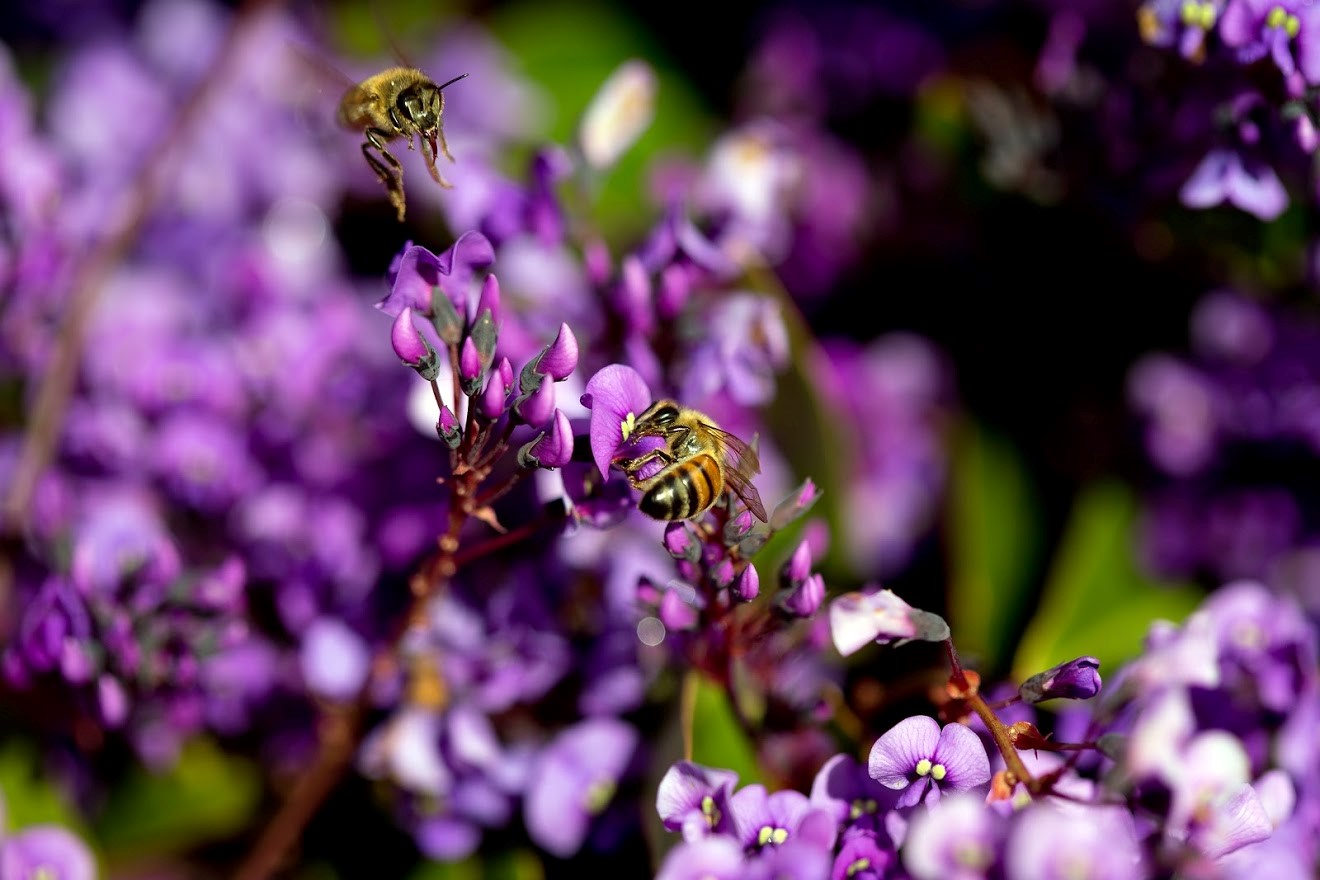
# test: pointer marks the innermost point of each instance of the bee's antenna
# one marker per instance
(452, 81)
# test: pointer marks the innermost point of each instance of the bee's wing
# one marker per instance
(319, 67)
(741, 464)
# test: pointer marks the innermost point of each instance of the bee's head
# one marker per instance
(422, 105)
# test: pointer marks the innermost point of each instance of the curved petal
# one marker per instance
(963, 755)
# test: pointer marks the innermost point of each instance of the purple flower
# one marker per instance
(845, 788)
(616, 396)
(574, 780)
(863, 856)
(795, 860)
(916, 757)
(956, 839)
(1179, 23)
(1226, 176)
(1075, 680)
(880, 616)
(709, 858)
(1286, 30)
(743, 357)
(48, 852)
(695, 799)
(765, 820)
(420, 272)
(1052, 840)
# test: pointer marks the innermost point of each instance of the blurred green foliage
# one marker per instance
(208, 795)
(995, 538)
(1096, 599)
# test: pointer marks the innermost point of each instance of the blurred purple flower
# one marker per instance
(1247, 183)
(335, 660)
(574, 780)
(1288, 31)
(708, 858)
(420, 272)
(956, 839)
(46, 851)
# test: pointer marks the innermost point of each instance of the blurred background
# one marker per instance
(1073, 426)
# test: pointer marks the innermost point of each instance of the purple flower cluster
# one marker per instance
(1199, 760)
(1223, 426)
(1263, 123)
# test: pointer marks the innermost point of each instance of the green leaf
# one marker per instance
(1096, 600)
(718, 740)
(995, 537)
(207, 795)
(569, 48)
(28, 798)
(468, 869)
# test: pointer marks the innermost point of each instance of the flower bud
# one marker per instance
(722, 573)
(747, 586)
(552, 448)
(448, 428)
(469, 366)
(490, 299)
(632, 296)
(673, 290)
(493, 397)
(408, 343)
(674, 613)
(798, 566)
(804, 599)
(1077, 679)
(795, 505)
(681, 543)
(112, 700)
(560, 359)
(538, 407)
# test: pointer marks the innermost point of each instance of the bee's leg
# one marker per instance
(428, 151)
(631, 466)
(391, 176)
(444, 147)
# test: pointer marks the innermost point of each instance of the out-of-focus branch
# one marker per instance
(336, 742)
(46, 418)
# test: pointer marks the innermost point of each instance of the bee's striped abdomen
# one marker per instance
(685, 489)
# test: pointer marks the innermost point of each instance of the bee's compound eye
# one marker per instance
(664, 415)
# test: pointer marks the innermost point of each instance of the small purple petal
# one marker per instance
(962, 754)
(616, 395)
(447, 838)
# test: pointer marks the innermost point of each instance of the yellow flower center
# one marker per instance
(629, 425)
(1202, 14)
(771, 835)
(598, 796)
(860, 865)
(1282, 19)
(710, 811)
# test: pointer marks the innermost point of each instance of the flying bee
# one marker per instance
(696, 464)
(398, 103)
